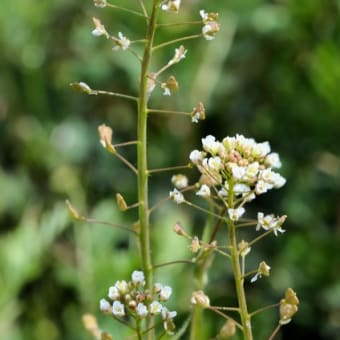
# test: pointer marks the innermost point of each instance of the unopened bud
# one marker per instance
(105, 137)
(121, 202)
(291, 297)
(171, 85)
(73, 212)
(81, 87)
(243, 248)
(178, 229)
(198, 113)
(200, 299)
(227, 330)
(195, 244)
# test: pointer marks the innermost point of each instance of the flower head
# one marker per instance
(171, 6)
(142, 310)
(235, 214)
(105, 306)
(121, 42)
(165, 293)
(263, 269)
(200, 299)
(176, 196)
(99, 28)
(138, 278)
(118, 308)
(100, 3)
(204, 191)
(180, 54)
(179, 181)
(198, 113)
(171, 85)
(210, 27)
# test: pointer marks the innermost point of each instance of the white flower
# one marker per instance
(166, 314)
(180, 54)
(211, 145)
(238, 172)
(165, 293)
(251, 171)
(196, 156)
(209, 30)
(138, 277)
(121, 43)
(270, 222)
(273, 160)
(200, 299)
(204, 191)
(176, 196)
(166, 91)
(204, 15)
(122, 286)
(263, 269)
(260, 149)
(155, 308)
(229, 143)
(118, 309)
(179, 181)
(198, 113)
(278, 181)
(171, 6)
(235, 214)
(100, 28)
(141, 310)
(105, 305)
(113, 293)
(215, 163)
(84, 87)
(100, 3)
(262, 187)
(240, 188)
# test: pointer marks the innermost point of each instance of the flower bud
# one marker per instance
(178, 229)
(227, 330)
(121, 202)
(243, 248)
(82, 87)
(73, 212)
(105, 137)
(200, 299)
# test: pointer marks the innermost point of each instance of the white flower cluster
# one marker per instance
(240, 167)
(131, 298)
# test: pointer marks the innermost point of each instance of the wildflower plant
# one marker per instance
(233, 172)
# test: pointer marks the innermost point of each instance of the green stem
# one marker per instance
(143, 199)
(239, 283)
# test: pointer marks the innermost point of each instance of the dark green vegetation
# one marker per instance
(273, 73)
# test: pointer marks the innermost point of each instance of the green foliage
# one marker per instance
(272, 73)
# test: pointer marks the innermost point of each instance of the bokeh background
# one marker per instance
(273, 73)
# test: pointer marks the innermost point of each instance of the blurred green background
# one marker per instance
(273, 73)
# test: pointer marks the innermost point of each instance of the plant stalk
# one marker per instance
(144, 236)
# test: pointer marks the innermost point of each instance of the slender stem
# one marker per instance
(239, 283)
(264, 309)
(126, 10)
(225, 316)
(115, 94)
(239, 280)
(204, 210)
(172, 24)
(143, 199)
(169, 112)
(143, 8)
(276, 330)
(260, 237)
(126, 162)
(132, 142)
(176, 41)
(171, 262)
(172, 168)
(116, 225)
